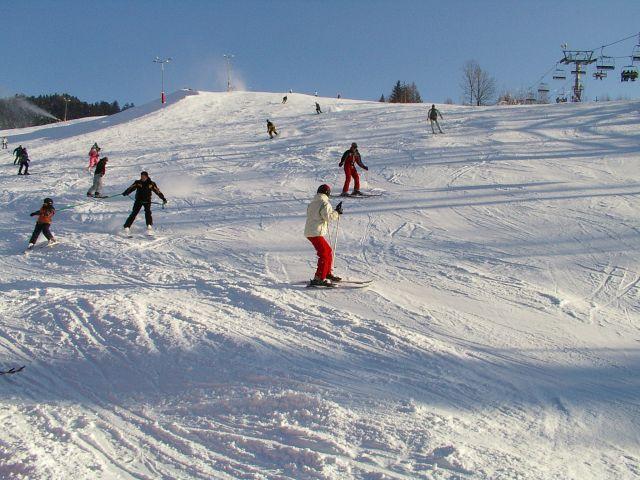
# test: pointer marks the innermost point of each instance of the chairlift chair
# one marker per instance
(531, 98)
(635, 55)
(606, 63)
(543, 88)
(629, 73)
(559, 74)
(599, 74)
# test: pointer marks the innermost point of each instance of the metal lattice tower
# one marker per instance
(577, 58)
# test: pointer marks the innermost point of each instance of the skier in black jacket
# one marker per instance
(144, 188)
(18, 153)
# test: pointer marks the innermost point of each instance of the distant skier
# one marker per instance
(101, 169)
(349, 160)
(319, 213)
(284, 99)
(18, 153)
(5, 143)
(43, 224)
(433, 118)
(24, 162)
(143, 188)
(94, 155)
(318, 108)
(339, 96)
(271, 129)
(315, 94)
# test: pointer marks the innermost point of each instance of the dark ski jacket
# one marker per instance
(351, 158)
(24, 158)
(101, 167)
(45, 214)
(18, 151)
(433, 114)
(143, 190)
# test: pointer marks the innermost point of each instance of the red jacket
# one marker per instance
(45, 214)
(351, 158)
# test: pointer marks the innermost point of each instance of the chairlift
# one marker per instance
(543, 88)
(531, 98)
(599, 74)
(629, 73)
(559, 74)
(635, 55)
(606, 63)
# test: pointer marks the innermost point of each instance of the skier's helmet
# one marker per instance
(144, 174)
(324, 188)
(48, 201)
(354, 145)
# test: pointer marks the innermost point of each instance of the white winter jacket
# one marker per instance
(319, 212)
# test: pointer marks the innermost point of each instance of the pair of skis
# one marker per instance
(348, 284)
(12, 370)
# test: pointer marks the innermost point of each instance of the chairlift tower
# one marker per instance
(577, 58)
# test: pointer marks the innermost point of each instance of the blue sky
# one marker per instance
(104, 50)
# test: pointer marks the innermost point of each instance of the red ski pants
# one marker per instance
(325, 256)
(350, 171)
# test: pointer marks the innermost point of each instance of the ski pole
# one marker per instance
(335, 242)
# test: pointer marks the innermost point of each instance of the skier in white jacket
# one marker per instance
(319, 213)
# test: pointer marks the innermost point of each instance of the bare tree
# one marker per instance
(478, 87)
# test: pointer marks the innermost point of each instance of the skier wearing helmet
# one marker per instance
(349, 159)
(319, 213)
(45, 215)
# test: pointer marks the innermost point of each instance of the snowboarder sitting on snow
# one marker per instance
(24, 162)
(144, 188)
(433, 118)
(318, 108)
(349, 160)
(271, 129)
(319, 213)
(45, 215)
(284, 99)
(101, 169)
(18, 153)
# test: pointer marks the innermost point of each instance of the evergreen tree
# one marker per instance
(382, 99)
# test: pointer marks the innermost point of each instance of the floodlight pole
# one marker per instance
(162, 61)
(228, 58)
(66, 103)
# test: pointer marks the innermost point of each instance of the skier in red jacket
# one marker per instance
(349, 160)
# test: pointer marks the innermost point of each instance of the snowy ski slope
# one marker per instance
(499, 339)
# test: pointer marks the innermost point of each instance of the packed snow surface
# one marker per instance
(498, 340)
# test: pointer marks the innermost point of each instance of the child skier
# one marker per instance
(144, 188)
(24, 162)
(349, 160)
(319, 213)
(5, 143)
(45, 215)
(271, 129)
(101, 169)
(93, 157)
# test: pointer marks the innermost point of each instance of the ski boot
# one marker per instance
(356, 192)
(334, 278)
(318, 282)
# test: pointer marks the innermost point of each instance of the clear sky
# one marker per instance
(103, 50)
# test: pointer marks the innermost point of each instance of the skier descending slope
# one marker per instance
(45, 215)
(319, 213)
(94, 154)
(433, 118)
(349, 160)
(144, 188)
(101, 169)
(271, 129)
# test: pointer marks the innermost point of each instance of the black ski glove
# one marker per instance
(164, 201)
(340, 164)
(366, 168)
(124, 194)
(33, 214)
(339, 208)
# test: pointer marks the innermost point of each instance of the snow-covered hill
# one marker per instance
(499, 339)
